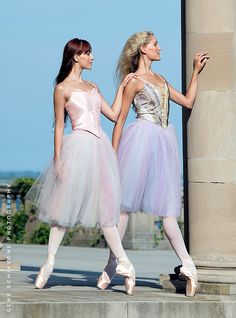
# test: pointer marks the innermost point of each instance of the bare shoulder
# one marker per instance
(60, 90)
(134, 86)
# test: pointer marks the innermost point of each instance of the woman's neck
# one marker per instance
(144, 67)
(76, 73)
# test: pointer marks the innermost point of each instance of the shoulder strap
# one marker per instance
(92, 84)
(162, 78)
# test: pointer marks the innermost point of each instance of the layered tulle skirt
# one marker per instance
(83, 187)
(149, 168)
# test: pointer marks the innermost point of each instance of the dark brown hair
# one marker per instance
(72, 47)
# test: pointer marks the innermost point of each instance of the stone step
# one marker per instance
(92, 303)
(71, 290)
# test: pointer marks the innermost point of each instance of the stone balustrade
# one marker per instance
(6, 193)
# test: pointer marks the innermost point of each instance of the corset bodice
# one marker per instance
(84, 109)
(152, 103)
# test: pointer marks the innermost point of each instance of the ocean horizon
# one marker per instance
(7, 177)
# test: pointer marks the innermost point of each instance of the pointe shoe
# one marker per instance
(126, 269)
(42, 279)
(189, 273)
(129, 286)
(108, 273)
(103, 282)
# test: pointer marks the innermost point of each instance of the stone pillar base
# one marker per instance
(217, 288)
(217, 275)
(172, 283)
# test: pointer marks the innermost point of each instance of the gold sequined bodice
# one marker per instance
(152, 103)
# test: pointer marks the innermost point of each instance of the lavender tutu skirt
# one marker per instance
(150, 169)
(88, 192)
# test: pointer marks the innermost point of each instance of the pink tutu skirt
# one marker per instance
(149, 167)
(88, 189)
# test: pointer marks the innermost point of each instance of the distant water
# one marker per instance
(7, 177)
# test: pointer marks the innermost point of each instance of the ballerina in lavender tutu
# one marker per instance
(81, 185)
(147, 150)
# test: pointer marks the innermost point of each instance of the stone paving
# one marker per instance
(71, 290)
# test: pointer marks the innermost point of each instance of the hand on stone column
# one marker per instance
(199, 61)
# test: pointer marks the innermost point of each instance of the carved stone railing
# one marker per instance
(7, 194)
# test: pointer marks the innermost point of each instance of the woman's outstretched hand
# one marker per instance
(199, 61)
(127, 79)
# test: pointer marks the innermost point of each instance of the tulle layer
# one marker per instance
(149, 168)
(83, 188)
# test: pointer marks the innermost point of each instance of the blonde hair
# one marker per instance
(129, 57)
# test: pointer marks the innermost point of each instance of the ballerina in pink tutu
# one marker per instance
(81, 185)
(147, 150)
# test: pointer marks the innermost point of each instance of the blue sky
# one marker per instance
(33, 37)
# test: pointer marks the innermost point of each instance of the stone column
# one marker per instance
(211, 26)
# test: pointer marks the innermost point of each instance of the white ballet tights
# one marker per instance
(173, 233)
(57, 233)
(110, 268)
(55, 238)
(124, 218)
(112, 237)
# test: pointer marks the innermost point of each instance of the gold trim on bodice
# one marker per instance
(152, 103)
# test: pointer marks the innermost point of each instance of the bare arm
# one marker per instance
(128, 96)
(59, 103)
(187, 100)
(113, 112)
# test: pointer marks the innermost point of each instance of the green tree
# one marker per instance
(17, 227)
(21, 186)
(41, 234)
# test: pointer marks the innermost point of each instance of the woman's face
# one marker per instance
(152, 49)
(85, 60)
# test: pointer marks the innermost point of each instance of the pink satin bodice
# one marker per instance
(84, 110)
